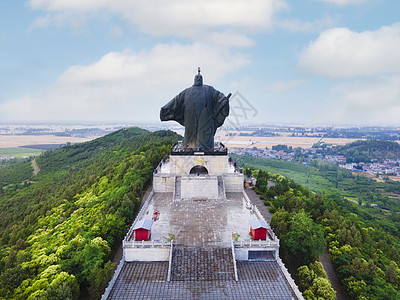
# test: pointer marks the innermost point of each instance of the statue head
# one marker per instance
(198, 79)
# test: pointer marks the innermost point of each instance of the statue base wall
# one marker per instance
(194, 175)
(208, 187)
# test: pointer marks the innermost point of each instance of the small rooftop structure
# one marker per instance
(258, 228)
(142, 230)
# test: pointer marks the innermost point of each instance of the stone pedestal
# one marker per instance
(197, 175)
(184, 165)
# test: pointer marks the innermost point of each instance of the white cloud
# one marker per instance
(124, 85)
(372, 101)
(175, 17)
(285, 85)
(74, 20)
(116, 32)
(302, 26)
(340, 52)
(42, 21)
(229, 39)
(343, 2)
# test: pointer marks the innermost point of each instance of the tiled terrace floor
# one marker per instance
(202, 264)
(257, 280)
(200, 223)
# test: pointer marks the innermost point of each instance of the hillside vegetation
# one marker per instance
(366, 151)
(324, 177)
(363, 241)
(59, 229)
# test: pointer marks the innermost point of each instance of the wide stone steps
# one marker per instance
(202, 264)
(221, 189)
(177, 194)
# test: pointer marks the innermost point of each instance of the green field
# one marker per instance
(19, 152)
(322, 177)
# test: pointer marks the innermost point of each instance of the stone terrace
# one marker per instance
(202, 262)
(199, 223)
(257, 280)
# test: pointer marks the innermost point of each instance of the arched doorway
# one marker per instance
(198, 170)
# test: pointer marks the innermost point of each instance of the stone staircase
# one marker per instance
(177, 194)
(202, 264)
(221, 188)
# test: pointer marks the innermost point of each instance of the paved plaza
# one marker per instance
(199, 222)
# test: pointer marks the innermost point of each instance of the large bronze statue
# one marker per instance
(201, 109)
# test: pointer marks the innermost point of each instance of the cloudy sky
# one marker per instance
(309, 62)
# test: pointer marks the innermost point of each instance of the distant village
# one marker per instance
(6, 157)
(385, 168)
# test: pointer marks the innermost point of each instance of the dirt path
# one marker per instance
(326, 263)
(35, 167)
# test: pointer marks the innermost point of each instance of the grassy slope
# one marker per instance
(306, 176)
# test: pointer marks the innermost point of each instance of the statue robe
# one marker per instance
(201, 109)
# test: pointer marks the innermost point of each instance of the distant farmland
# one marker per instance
(10, 141)
(19, 152)
(20, 146)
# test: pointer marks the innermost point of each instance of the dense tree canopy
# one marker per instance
(305, 238)
(59, 229)
(363, 242)
(366, 151)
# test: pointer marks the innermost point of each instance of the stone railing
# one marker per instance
(234, 261)
(159, 167)
(113, 280)
(145, 206)
(170, 261)
(254, 207)
(291, 282)
(272, 235)
(258, 243)
(146, 244)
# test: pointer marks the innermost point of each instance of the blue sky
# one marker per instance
(334, 62)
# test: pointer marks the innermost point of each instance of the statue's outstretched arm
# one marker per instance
(174, 110)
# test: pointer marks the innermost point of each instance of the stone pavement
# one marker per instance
(202, 264)
(257, 280)
(199, 222)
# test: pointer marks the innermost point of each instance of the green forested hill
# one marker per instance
(365, 151)
(363, 240)
(59, 228)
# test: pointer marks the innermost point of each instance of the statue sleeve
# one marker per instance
(174, 109)
(222, 110)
